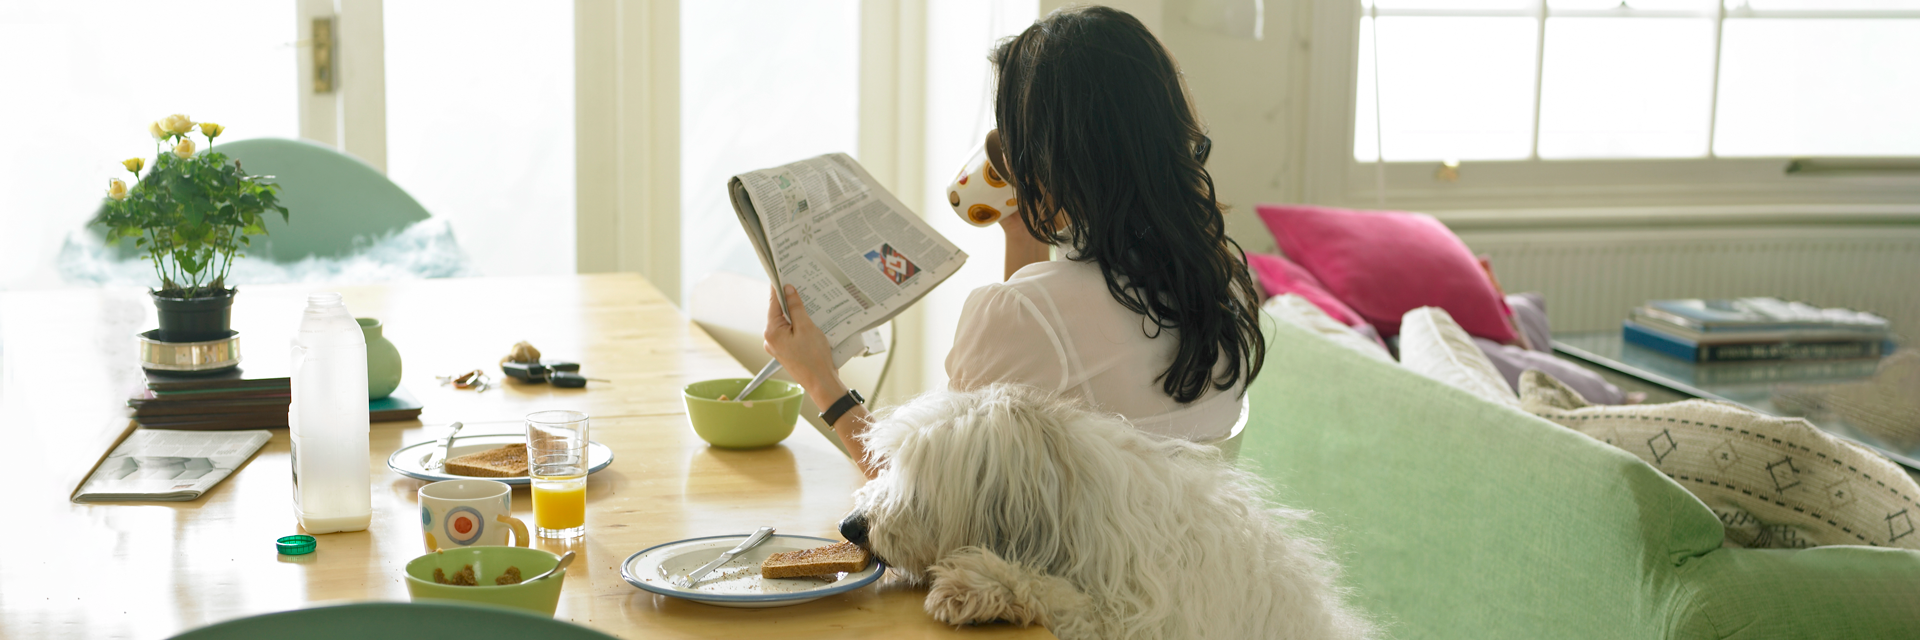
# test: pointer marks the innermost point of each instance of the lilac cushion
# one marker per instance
(1383, 264)
(1512, 361)
(1530, 315)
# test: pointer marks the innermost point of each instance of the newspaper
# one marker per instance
(856, 254)
(169, 466)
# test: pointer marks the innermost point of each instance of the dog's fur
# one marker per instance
(1020, 507)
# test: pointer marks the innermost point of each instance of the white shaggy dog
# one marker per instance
(1019, 507)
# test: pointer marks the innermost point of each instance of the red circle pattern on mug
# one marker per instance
(464, 525)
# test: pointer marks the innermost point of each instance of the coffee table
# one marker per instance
(1814, 389)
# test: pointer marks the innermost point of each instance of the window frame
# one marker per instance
(1714, 187)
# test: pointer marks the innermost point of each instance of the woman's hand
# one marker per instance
(803, 351)
(800, 346)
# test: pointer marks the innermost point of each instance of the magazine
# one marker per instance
(856, 254)
(169, 466)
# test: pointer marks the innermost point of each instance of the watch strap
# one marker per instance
(841, 407)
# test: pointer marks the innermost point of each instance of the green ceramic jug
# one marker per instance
(383, 361)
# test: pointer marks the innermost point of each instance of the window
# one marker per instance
(479, 120)
(761, 84)
(83, 81)
(1615, 102)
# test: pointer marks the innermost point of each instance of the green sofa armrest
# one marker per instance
(1824, 592)
(1460, 518)
(1456, 517)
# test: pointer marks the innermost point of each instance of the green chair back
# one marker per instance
(395, 620)
(334, 199)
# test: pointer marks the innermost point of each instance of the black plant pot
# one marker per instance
(195, 319)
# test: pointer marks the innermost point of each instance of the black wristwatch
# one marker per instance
(841, 406)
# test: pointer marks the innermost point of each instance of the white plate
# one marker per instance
(406, 461)
(737, 583)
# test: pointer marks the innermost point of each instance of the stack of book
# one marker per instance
(236, 400)
(1755, 330)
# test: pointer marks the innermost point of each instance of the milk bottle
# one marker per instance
(328, 419)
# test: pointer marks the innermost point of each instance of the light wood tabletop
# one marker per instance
(154, 569)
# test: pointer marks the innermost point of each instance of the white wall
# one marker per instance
(1251, 95)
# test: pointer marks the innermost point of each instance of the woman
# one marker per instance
(1151, 313)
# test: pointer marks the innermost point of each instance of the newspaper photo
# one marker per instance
(169, 466)
(857, 255)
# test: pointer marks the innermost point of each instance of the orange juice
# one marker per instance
(560, 504)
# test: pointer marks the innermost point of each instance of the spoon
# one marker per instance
(564, 561)
(446, 450)
(765, 372)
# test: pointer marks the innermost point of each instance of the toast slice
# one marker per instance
(505, 462)
(830, 559)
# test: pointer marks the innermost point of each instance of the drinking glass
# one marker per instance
(557, 463)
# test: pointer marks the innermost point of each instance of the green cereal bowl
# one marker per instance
(763, 420)
(488, 563)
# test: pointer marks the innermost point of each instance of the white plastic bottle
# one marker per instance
(328, 419)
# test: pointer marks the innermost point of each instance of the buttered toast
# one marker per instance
(505, 462)
(834, 558)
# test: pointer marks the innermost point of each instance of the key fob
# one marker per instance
(561, 366)
(525, 371)
(567, 379)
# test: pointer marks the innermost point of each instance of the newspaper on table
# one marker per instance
(856, 254)
(169, 466)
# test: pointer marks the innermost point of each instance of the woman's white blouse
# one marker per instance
(1054, 326)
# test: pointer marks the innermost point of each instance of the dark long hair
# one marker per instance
(1104, 150)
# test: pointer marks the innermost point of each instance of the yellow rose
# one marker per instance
(133, 164)
(177, 124)
(116, 189)
(211, 130)
(183, 150)
(155, 129)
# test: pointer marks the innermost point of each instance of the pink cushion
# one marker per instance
(1383, 264)
(1279, 276)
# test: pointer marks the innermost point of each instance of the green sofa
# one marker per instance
(1459, 518)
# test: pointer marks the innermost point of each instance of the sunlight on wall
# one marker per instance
(83, 80)
(959, 114)
(763, 84)
(480, 126)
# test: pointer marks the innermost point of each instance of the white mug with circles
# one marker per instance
(467, 513)
(980, 194)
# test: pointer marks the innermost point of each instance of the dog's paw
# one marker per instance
(974, 585)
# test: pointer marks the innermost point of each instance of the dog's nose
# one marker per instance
(854, 528)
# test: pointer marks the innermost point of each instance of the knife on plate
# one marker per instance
(445, 449)
(751, 542)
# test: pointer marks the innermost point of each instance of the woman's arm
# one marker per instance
(803, 351)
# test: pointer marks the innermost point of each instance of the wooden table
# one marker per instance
(153, 569)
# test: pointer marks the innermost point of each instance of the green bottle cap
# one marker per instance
(296, 545)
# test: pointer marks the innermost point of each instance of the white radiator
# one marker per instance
(1593, 278)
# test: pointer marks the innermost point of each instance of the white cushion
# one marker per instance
(1432, 345)
(1300, 312)
(1774, 482)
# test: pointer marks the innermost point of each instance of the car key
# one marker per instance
(570, 380)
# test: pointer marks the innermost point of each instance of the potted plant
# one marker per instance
(191, 213)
